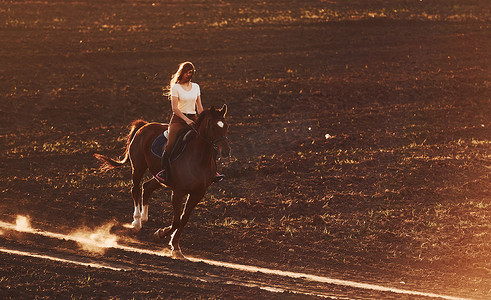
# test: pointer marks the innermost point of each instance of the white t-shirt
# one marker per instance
(187, 99)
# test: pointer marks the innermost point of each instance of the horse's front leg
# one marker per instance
(193, 200)
(177, 198)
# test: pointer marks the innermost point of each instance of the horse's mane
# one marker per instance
(201, 117)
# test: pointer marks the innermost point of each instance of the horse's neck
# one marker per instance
(201, 149)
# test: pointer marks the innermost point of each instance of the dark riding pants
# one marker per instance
(176, 125)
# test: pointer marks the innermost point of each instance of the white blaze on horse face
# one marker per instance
(220, 123)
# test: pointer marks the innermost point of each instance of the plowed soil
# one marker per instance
(360, 136)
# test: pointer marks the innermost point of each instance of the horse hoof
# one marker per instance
(136, 227)
(157, 236)
(177, 254)
(160, 234)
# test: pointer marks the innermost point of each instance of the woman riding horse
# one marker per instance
(192, 172)
(185, 98)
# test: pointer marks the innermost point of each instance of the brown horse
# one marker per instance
(190, 175)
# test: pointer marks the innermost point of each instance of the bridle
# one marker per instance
(211, 143)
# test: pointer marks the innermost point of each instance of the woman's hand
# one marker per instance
(189, 122)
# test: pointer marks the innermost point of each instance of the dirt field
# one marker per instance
(360, 135)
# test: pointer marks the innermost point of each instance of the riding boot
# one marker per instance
(163, 175)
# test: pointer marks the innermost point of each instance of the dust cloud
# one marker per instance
(23, 223)
(96, 240)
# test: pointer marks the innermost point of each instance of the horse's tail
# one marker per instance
(108, 163)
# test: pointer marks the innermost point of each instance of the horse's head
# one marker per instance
(214, 129)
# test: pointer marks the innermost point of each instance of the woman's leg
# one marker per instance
(175, 126)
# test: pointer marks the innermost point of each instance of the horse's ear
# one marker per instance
(223, 110)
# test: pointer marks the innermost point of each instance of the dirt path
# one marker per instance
(18, 239)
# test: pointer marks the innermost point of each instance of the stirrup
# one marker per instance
(218, 177)
(161, 176)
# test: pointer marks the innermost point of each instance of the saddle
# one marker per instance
(160, 141)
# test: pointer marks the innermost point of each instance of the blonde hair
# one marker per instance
(176, 77)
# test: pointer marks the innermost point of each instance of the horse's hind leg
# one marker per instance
(148, 188)
(136, 195)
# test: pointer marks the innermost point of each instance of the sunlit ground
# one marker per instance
(359, 131)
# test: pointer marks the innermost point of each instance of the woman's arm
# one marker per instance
(178, 112)
(199, 105)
